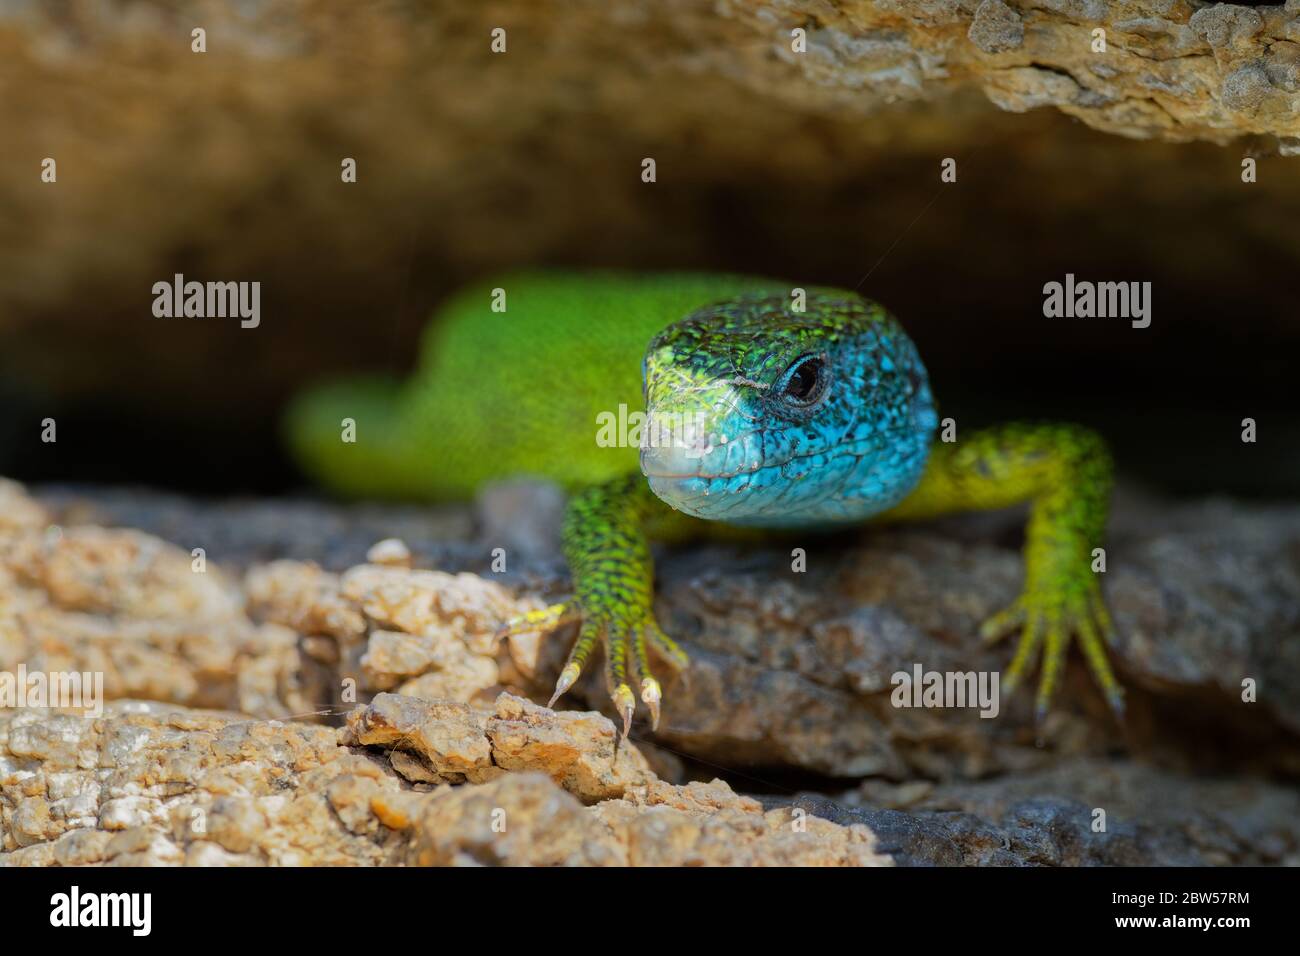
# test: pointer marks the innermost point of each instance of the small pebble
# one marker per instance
(391, 552)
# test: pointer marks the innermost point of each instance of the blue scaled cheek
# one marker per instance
(890, 427)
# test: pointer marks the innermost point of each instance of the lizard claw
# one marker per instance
(626, 651)
(567, 677)
(651, 695)
(1048, 616)
(625, 704)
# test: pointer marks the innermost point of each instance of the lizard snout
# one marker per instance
(672, 449)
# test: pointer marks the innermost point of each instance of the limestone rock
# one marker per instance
(789, 673)
(455, 742)
(151, 784)
(1140, 68)
(797, 670)
(448, 737)
(1152, 817)
(520, 819)
(391, 551)
(996, 27)
(424, 633)
(154, 620)
(580, 751)
(155, 784)
(708, 825)
(882, 90)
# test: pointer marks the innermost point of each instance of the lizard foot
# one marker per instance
(1047, 615)
(624, 636)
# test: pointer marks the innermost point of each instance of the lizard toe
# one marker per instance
(588, 637)
(998, 626)
(1051, 622)
(546, 619)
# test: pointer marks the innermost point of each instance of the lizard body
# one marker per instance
(759, 414)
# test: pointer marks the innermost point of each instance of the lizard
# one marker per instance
(765, 408)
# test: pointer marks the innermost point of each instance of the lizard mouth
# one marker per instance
(709, 460)
(680, 463)
(681, 476)
(844, 481)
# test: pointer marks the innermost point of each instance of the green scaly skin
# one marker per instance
(519, 392)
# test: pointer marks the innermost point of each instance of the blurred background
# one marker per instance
(225, 166)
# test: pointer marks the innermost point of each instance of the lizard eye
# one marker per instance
(804, 382)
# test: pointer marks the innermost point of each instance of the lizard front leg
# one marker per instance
(606, 543)
(1065, 472)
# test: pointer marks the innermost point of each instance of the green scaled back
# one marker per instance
(503, 394)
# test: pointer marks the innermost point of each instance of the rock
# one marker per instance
(996, 27)
(323, 533)
(455, 743)
(1246, 87)
(884, 90)
(391, 552)
(796, 671)
(790, 674)
(520, 820)
(136, 609)
(425, 633)
(800, 673)
(1153, 817)
(708, 825)
(448, 737)
(268, 793)
(522, 517)
(152, 784)
(155, 621)
(884, 50)
(1225, 25)
(145, 783)
(18, 511)
(580, 751)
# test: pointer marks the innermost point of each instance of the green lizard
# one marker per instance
(759, 413)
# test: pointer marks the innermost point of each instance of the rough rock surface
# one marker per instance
(1183, 70)
(1153, 817)
(1204, 597)
(134, 608)
(456, 744)
(793, 670)
(827, 158)
(790, 674)
(155, 784)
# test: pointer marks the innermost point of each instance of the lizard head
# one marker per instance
(760, 415)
